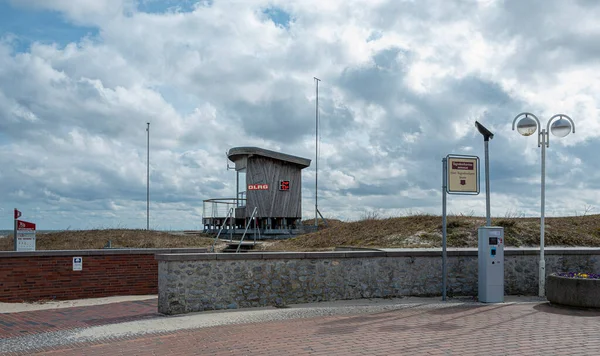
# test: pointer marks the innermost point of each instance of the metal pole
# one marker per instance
(542, 273)
(148, 178)
(444, 256)
(237, 189)
(487, 185)
(15, 234)
(317, 80)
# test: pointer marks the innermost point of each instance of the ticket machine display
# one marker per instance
(491, 264)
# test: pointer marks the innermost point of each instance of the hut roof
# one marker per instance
(236, 153)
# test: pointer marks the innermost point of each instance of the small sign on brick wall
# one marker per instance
(77, 264)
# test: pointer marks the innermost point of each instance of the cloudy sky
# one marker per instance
(402, 85)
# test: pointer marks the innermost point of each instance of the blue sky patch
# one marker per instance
(163, 6)
(374, 36)
(181, 101)
(278, 16)
(28, 26)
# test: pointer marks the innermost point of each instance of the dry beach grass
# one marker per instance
(426, 231)
(120, 238)
(410, 231)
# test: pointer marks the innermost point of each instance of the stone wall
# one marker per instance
(197, 282)
(575, 292)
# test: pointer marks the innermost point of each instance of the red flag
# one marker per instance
(17, 214)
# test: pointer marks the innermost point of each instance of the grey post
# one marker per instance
(317, 80)
(487, 135)
(148, 177)
(15, 232)
(444, 256)
(237, 201)
(488, 219)
(237, 189)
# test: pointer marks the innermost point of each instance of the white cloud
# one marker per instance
(402, 84)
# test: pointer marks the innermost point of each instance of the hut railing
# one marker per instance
(219, 207)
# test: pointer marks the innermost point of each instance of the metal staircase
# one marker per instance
(228, 218)
(256, 229)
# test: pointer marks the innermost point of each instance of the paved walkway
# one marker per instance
(409, 326)
(43, 321)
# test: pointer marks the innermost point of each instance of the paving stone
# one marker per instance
(409, 329)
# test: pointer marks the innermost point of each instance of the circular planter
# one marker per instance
(575, 292)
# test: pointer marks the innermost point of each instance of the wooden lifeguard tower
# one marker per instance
(268, 200)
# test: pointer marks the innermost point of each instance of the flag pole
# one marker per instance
(148, 178)
(15, 229)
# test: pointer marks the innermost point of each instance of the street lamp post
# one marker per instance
(561, 127)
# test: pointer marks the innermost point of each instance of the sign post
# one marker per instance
(16, 216)
(460, 175)
(444, 255)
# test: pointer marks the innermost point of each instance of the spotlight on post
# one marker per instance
(561, 128)
(527, 126)
(487, 134)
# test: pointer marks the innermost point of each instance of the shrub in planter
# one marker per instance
(574, 289)
(578, 275)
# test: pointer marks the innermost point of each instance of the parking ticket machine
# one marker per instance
(491, 264)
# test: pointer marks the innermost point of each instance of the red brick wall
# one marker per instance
(49, 275)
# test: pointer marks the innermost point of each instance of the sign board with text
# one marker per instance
(25, 236)
(77, 263)
(463, 175)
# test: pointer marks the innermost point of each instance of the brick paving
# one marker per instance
(461, 329)
(41, 321)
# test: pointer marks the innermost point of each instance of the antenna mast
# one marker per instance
(317, 80)
(148, 178)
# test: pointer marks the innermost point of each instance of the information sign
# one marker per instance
(77, 263)
(25, 236)
(463, 174)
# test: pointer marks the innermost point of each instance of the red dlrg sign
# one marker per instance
(258, 187)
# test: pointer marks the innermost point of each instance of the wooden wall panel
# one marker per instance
(273, 202)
